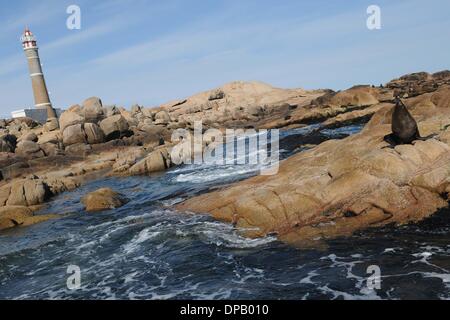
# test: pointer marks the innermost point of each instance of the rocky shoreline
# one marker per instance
(332, 190)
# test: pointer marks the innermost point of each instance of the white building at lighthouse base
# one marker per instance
(38, 115)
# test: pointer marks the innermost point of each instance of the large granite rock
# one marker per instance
(74, 134)
(26, 192)
(158, 160)
(70, 118)
(29, 149)
(94, 134)
(92, 110)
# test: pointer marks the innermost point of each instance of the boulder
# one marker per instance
(114, 126)
(69, 118)
(92, 110)
(103, 199)
(74, 134)
(94, 134)
(50, 149)
(29, 149)
(129, 117)
(27, 192)
(156, 161)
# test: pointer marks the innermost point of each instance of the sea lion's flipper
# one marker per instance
(391, 139)
(430, 136)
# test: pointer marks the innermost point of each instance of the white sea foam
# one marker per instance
(144, 235)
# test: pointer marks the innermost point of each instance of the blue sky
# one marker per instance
(150, 52)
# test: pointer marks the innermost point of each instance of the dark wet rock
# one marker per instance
(8, 143)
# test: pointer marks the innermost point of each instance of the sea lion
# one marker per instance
(404, 127)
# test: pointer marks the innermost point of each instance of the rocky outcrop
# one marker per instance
(412, 85)
(236, 104)
(103, 199)
(19, 216)
(345, 185)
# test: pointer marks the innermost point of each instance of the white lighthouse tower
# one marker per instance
(41, 96)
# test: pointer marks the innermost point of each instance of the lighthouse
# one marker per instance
(41, 96)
